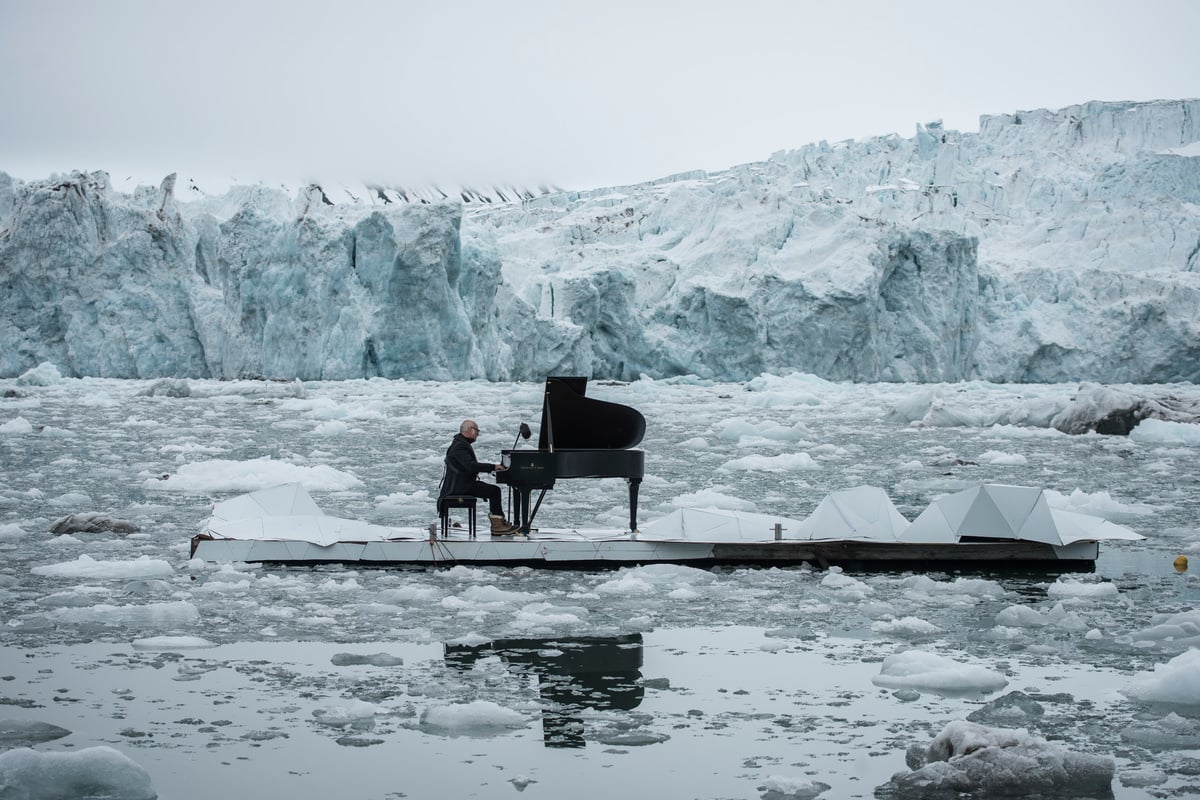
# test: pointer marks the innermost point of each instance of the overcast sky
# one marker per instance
(574, 94)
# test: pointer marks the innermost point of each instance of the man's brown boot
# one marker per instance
(500, 525)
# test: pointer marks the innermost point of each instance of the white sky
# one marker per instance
(579, 94)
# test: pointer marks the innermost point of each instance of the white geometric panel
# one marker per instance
(864, 512)
(954, 507)
(1016, 503)
(930, 527)
(985, 519)
(1041, 525)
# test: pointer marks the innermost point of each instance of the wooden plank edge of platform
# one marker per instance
(862, 556)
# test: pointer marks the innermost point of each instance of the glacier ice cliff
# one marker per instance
(1049, 246)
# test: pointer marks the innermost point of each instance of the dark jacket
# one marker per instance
(462, 468)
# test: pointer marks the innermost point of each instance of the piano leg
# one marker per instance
(522, 511)
(633, 495)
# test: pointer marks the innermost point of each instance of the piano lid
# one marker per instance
(571, 421)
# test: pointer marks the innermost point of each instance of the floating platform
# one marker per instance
(989, 526)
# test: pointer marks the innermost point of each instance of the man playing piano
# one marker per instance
(461, 477)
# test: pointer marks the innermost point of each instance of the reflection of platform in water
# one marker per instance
(574, 673)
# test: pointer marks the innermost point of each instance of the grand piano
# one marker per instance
(580, 437)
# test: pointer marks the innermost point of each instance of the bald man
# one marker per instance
(462, 471)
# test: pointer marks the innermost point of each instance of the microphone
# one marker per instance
(522, 433)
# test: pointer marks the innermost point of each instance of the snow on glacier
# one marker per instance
(1050, 246)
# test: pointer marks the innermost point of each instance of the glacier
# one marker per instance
(1051, 246)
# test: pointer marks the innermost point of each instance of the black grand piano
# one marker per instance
(580, 438)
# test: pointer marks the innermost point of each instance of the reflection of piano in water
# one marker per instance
(574, 673)
(580, 438)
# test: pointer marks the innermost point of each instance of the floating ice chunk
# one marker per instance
(913, 407)
(356, 712)
(166, 615)
(1061, 618)
(544, 616)
(784, 788)
(92, 772)
(27, 733)
(172, 643)
(941, 415)
(1177, 681)
(1148, 776)
(521, 782)
(906, 628)
(1098, 504)
(246, 476)
(1010, 709)
(919, 669)
(1021, 617)
(471, 639)
(10, 531)
(631, 738)
(653, 579)
(1180, 629)
(409, 594)
(332, 427)
(1072, 588)
(373, 660)
(18, 426)
(784, 462)
(70, 499)
(91, 522)
(971, 588)
(844, 584)
(1003, 459)
(405, 503)
(740, 430)
(712, 498)
(44, 374)
(493, 594)
(1158, 431)
(1172, 731)
(990, 762)
(168, 387)
(481, 717)
(87, 567)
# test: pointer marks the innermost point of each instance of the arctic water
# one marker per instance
(243, 680)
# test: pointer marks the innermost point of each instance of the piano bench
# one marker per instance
(450, 501)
